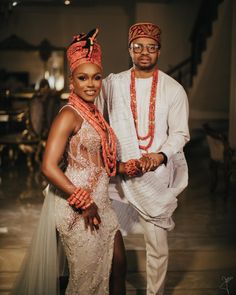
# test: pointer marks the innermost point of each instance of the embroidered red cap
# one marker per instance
(145, 30)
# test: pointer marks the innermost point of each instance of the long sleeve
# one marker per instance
(178, 131)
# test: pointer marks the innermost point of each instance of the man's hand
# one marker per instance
(150, 161)
(91, 217)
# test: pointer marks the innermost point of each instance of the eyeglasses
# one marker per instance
(138, 48)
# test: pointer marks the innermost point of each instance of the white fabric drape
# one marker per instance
(39, 272)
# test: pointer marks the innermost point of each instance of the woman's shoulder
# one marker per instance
(69, 110)
(68, 115)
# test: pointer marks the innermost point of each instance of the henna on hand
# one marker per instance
(132, 168)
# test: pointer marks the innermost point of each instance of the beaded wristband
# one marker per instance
(80, 198)
(131, 168)
(87, 205)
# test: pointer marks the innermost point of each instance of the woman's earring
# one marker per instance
(71, 87)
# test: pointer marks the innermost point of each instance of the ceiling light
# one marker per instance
(67, 2)
(14, 3)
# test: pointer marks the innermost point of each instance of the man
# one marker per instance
(148, 111)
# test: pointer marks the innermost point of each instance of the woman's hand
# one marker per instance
(81, 201)
(131, 168)
(80, 198)
(91, 217)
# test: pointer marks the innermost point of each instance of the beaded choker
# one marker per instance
(108, 139)
(152, 106)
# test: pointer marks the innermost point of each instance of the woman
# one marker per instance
(89, 235)
(76, 202)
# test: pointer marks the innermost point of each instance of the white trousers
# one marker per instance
(156, 257)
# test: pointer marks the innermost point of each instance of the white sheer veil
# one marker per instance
(39, 273)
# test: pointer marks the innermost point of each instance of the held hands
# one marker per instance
(148, 162)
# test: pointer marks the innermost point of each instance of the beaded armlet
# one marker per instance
(80, 199)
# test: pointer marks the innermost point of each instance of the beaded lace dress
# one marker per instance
(89, 254)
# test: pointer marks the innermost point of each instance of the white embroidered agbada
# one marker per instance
(154, 195)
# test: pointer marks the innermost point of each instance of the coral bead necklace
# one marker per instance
(152, 106)
(108, 139)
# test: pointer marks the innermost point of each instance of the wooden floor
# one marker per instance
(202, 245)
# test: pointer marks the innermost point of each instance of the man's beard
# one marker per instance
(146, 68)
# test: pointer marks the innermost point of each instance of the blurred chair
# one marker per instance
(15, 139)
(221, 157)
(26, 130)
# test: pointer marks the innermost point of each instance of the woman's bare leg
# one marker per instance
(118, 271)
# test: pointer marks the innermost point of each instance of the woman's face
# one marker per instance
(87, 81)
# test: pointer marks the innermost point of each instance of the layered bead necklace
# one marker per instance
(108, 139)
(152, 106)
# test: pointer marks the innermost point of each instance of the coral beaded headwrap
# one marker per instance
(145, 30)
(84, 48)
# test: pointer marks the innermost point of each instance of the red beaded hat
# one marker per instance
(84, 48)
(145, 30)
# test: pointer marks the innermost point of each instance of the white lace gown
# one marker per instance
(89, 254)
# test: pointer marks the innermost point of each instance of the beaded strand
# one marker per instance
(152, 106)
(108, 139)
